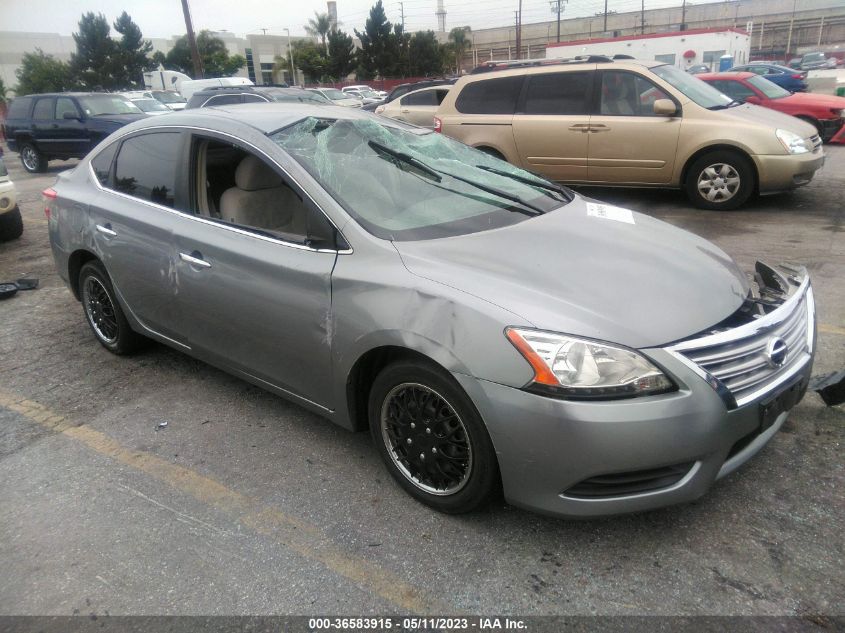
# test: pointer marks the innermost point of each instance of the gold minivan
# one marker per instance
(614, 122)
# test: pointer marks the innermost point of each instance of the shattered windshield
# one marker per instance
(402, 183)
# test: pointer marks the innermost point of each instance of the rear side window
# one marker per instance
(490, 96)
(424, 98)
(558, 93)
(223, 100)
(253, 99)
(102, 164)
(146, 167)
(733, 89)
(43, 110)
(19, 108)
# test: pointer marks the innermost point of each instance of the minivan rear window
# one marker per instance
(490, 96)
(558, 93)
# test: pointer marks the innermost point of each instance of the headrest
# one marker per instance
(253, 174)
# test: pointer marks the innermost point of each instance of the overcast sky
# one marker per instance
(163, 18)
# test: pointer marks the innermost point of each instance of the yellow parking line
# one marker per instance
(297, 535)
(831, 329)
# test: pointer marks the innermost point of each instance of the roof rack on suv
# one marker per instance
(491, 66)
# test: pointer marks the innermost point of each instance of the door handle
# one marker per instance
(599, 127)
(579, 127)
(405, 110)
(106, 230)
(194, 261)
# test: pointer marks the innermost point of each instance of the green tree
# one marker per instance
(425, 55)
(319, 26)
(311, 59)
(158, 59)
(378, 50)
(216, 61)
(341, 59)
(96, 62)
(42, 73)
(132, 52)
(460, 41)
(3, 91)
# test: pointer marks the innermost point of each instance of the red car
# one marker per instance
(826, 112)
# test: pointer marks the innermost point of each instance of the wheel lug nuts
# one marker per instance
(422, 456)
(433, 449)
(413, 426)
(410, 441)
(428, 430)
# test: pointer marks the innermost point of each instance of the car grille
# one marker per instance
(816, 140)
(741, 359)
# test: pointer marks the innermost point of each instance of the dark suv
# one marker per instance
(65, 125)
(229, 95)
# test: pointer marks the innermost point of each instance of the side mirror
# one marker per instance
(70, 115)
(665, 107)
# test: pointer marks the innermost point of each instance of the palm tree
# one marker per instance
(459, 36)
(319, 26)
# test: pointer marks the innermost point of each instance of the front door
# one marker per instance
(254, 297)
(629, 143)
(73, 140)
(551, 126)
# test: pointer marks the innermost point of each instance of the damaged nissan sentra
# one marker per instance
(492, 329)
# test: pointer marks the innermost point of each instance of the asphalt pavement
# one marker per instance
(247, 504)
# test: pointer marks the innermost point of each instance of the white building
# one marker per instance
(678, 48)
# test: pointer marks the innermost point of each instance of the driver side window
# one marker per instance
(237, 187)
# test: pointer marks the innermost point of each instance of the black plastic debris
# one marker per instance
(831, 387)
(10, 289)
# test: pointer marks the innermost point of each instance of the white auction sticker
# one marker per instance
(609, 212)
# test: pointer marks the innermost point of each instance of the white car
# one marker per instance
(338, 97)
(417, 107)
(364, 93)
(11, 223)
(150, 106)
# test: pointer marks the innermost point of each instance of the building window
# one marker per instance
(711, 58)
(665, 59)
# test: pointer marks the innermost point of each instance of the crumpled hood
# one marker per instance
(641, 285)
(815, 99)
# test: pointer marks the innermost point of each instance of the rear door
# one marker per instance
(551, 126)
(629, 143)
(133, 218)
(44, 129)
(419, 107)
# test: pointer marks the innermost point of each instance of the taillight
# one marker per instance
(438, 125)
(798, 76)
(49, 194)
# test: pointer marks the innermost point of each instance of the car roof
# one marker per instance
(212, 90)
(728, 75)
(264, 117)
(73, 94)
(519, 67)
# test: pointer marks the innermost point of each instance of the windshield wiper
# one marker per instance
(435, 174)
(406, 158)
(732, 104)
(549, 186)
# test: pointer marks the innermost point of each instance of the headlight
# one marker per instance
(583, 369)
(839, 113)
(793, 143)
(380, 109)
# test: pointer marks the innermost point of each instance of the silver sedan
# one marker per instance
(491, 328)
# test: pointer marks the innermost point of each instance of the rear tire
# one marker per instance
(11, 225)
(721, 180)
(32, 160)
(103, 312)
(431, 438)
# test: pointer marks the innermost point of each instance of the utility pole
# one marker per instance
(684, 15)
(791, 22)
(557, 7)
(642, 17)
(192, 41)
(402, 11)
(605, 16)
(263, 31)
(821, 28)
(518, 31)
(290, 58)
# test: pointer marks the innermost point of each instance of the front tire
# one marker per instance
(32, 160)
(720, 180)
(103, 312)
(11, 225)
(431, 438)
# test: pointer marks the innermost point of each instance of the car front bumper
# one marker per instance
(590, 458)
(784, 172)
(8, 197)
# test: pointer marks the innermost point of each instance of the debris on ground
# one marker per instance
(9, 289)
(161, 425)
(831, 387)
